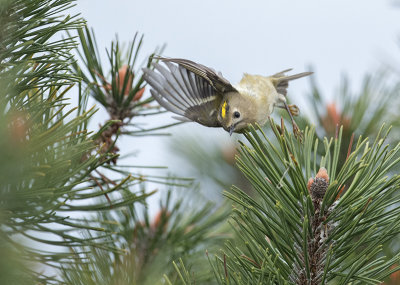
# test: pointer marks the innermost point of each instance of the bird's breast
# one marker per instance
(261, 90)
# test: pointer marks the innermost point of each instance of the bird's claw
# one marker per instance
(296, 131)
(294, 110)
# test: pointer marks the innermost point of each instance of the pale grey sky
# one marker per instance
(257, 36)
(261, 37)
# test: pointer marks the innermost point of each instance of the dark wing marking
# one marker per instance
(188, 89)
(215, 79)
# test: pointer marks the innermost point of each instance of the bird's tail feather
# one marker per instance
(281, 81)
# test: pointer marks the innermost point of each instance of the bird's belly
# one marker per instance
(262, 93)
(265, 108)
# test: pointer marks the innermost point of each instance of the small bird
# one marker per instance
(198, 93)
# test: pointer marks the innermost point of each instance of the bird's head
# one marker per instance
(232, 114)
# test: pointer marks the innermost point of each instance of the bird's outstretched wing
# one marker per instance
(188, 89)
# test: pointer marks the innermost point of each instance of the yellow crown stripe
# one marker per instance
(223, 110)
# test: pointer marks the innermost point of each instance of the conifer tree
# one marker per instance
(70, 212)
(320, 211)
(312, 222)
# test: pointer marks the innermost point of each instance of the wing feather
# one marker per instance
(176, 74)
(215, 79)
(172, 85)
(166, 104)
(186, 78)
(188, 89)
(156, 81)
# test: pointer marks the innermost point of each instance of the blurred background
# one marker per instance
(333, 38)
(109, 222)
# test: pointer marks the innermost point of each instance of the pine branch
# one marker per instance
(331, 230)
(48, 155)
(122, 94)
(150, 244)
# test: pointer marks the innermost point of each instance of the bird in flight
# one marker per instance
(197, 93)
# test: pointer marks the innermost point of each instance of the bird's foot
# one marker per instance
(294, 110)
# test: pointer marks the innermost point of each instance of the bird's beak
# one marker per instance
(231, 129)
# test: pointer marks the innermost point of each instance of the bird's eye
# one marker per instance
(236, 114)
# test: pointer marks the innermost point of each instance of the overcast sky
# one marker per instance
(260, 37)
(257, 36)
